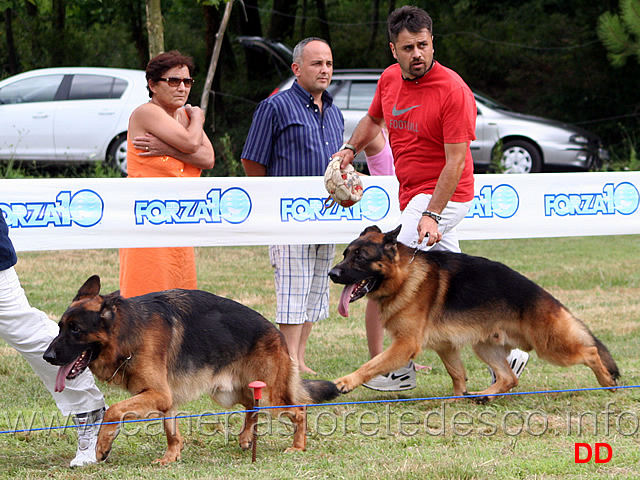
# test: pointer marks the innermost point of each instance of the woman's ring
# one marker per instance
(147, 148)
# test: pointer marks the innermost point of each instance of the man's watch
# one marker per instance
(435, 216)
(350, 147)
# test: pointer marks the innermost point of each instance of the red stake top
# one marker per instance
(257, 389)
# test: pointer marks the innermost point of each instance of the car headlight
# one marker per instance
(577, 138)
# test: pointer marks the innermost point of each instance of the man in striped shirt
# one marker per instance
(295, 133)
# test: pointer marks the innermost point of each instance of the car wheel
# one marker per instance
(117, 153)
(520, 156)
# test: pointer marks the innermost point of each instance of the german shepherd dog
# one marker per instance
(444, 300)
(167, 348)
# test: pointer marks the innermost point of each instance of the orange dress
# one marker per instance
(145, 270)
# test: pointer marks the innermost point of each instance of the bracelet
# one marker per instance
(435, 216)
(350, 147)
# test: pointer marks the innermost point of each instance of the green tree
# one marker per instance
(620, 33)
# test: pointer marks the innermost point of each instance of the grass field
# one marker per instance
(526, 436)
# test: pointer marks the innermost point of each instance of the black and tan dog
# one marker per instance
(169, 347)
(443, 301)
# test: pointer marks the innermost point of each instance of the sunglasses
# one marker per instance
(176, 81)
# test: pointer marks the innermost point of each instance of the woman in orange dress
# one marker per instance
(165, 139)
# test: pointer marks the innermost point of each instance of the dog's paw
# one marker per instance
(245, 444)
(106, 436)
(346, 384)
(294, 449)
(479, 397)
(169, 457)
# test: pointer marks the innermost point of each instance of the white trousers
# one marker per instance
(30, 332)
(452, 215)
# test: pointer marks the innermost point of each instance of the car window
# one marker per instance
(337, 89)
(91, 87)
(361, 95)
(36, 89)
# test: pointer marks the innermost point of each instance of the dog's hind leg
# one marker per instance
(453, 363)
(298, 416)
(594, 362)
(496, 357)
(246, 434)
(578, 345)
(589, 356)
(288, 392)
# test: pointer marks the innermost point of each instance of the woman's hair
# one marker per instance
(409, 18)
(159, 64)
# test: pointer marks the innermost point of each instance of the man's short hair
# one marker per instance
(299, 48)
(409, 18)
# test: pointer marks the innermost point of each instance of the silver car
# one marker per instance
(69, 114)
(518, 143)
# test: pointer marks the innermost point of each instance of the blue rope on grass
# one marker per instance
(362, 402)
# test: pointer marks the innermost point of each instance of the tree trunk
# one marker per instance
(283, 19)
(12, 55)
(303, 20)
(57, 22)
(324, 21)
(137, 25)
(204, 101)
(256, 62)
(155, 29)
(375, 18)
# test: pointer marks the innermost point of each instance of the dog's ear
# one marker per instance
(91, 288)
(109, 308)
(372, 228)
(390, 242)
(392, 236)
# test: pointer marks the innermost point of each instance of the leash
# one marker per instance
(417, 248)
(123, 364)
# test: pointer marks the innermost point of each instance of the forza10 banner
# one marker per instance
(58, 214)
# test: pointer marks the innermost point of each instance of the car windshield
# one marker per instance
(490, 102)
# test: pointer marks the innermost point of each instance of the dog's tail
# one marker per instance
(320, 390)
(606, 358)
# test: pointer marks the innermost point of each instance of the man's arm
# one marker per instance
(254, 169)
(366, 130)
(455, 154)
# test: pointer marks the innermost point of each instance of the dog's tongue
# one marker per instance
(345, 297)
(62, 375)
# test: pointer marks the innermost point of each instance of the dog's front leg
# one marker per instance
(397, 355)
(142, 405)
(175, 444)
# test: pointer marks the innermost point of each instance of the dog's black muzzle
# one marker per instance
(50, 356)
(337, 275)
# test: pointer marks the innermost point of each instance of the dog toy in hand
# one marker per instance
(344, 186)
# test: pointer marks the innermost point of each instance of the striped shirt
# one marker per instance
(291, 137)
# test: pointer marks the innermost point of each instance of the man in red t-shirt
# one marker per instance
(430, 113)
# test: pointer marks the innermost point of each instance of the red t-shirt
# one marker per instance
(422, 115)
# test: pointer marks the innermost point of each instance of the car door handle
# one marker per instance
(106, 113)
(41, 115)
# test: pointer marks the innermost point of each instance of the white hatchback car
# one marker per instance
(69, 114)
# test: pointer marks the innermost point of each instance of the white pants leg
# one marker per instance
(30, 332)
(452, 215)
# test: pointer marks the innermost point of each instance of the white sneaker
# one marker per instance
(88, 428)
(517, 360)
(398, 380)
